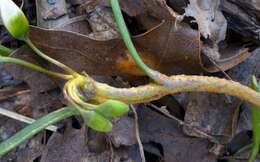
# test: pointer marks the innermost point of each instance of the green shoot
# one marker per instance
(156, 76)
(255, 124)
(4, 51)
(128, 42)
(37, 126)
(5, 59)
(18, 26)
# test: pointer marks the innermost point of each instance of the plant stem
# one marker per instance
(36, 127)
(182, 83)
(129, 44)
(40, 53)
(153, 74)
(33, 67)
(72, 94)
(255, 111)
(4, 51)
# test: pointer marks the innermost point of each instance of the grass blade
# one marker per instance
(22, 118)
(30, 130)
(255, 123)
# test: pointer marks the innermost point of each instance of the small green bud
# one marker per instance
(14, 19)
(112, 108)
(96, 121)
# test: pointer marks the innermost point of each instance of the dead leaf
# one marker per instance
(123, 133)
(50, 15)
(243, 17)
(70, 146)
(213, 115)
(102, 24)
(212, 24)
(83, 53)
(77, 24)
(173, 44)
(176, 147)
(131, 7)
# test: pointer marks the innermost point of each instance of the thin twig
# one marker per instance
(137, 134)
(218, 67)
(223, 72)
(111, 150)
(166, 114)
(27, 91)
(211, 138)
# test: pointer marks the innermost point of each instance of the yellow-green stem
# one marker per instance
(46, 57)
(5, 59)
(182, 83)
(4, 51)
(72, 94)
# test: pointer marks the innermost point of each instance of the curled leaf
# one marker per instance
(112, 108)
(96, 121)
(14, 19)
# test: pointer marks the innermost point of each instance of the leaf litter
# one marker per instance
(174, 37)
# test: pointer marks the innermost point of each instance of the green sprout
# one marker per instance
(4, 51)
(153, 74)
(34, 128)
(95, 116)
(255, 111)
(17, 25)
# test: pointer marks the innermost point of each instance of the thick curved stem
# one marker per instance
(71, 93)
(180, 83)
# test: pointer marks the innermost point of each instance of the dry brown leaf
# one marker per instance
(212, 24)
(172, 48)
(176, 147)
(50, 15)
(71, 146)
(243, 17)
(176, 51)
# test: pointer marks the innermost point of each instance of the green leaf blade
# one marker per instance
(255, 111)
(30, 130)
